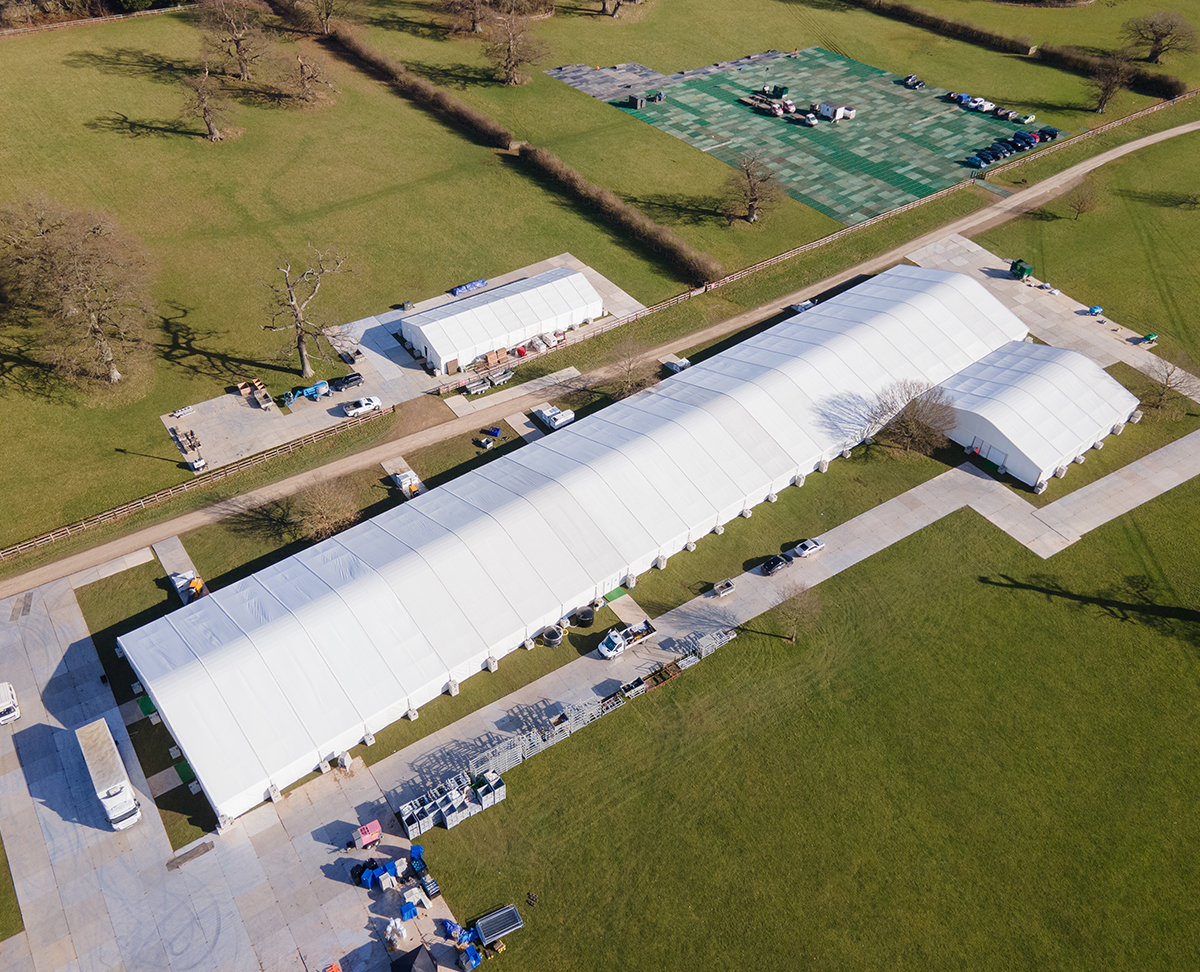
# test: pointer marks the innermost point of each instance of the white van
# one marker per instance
(9, 710)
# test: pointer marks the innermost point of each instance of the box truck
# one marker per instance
(109, 777)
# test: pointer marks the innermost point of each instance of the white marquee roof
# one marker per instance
(503, 317)
(260, 680)
(1040, 406)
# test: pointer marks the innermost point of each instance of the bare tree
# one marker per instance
(84, 276)
(510, 47)
(752, 191)
(611, 8)
(1110, 75)
(630, 371)
(233, 30)
(800, 612)
(1082, 199)
(324, 12)
(311, 74)
(204, 99)
(324, 509)
(470, 16)
(293, 297)
(914, 415)
(1171, 377)
(1164, 33)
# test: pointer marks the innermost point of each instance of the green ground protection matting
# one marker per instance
(903, 145)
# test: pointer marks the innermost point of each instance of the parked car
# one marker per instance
(352, 380)
(774, 565)
(10, 711)
(1017, 145)
(362, 406)
(1050, 134)
(677, 366)
(806, 548)
(975, 104)
(987, 106)
(975, 162)
(1000, 147)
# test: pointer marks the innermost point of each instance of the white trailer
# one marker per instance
(553, 417)
(109, 777)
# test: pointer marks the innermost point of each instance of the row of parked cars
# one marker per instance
(1004, 147)
(983, 106)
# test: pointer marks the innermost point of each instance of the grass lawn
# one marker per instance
(1094, 27)
(417, 207)
(987, 762)
(1136, 254)
(10, 911)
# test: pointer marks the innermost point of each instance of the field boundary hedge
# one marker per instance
(87, 21)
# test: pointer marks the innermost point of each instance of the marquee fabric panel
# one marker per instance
(381, 617)
(503, 317)
(1032, 408)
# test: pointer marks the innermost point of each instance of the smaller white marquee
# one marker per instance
(1032, 408)
(458, 333)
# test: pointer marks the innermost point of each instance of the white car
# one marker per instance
(677, 366)
(361, 406)
(9, 710)
(987, 106)
(806, 548)
(976, 104)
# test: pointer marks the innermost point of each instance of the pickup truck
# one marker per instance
(618, 639)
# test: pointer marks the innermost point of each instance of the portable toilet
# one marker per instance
(1020, 269)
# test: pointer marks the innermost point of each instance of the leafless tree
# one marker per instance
(311, 74)
(233, 30)
(84, 277)
(470, 16)
(1172, 376)
(204, 99)
(631, 374)
(1164, 33)
(511, 46)
(1111, 74)
(611, 8)
(324, 509)
(325, 12)
(914, 415)
(1082, 199)
(752, 191)
(800, 612)
(293, 297)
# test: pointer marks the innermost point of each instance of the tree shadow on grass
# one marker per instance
(458, 76)
(121, 124)
(183, 346)
(399, 16)
(133, 62)
(679, 209)
(1162, 199)
(1133, 599)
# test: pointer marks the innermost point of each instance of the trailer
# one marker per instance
(109, 776)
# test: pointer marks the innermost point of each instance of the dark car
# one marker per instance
(352, 380)
(988, 155)
(975, 162)
(1003, 149)
(775, 564)
(1048, 133)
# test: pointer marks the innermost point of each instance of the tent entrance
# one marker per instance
(992, 457)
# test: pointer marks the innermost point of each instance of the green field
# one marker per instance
(417, 207)
(1142, 243)
(988, 762)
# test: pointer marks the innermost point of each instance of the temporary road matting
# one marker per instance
(903, 145)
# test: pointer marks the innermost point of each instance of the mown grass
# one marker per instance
(10, 911)
(978, 759)
(416, 206)
(1095, 27)
(1136, 254)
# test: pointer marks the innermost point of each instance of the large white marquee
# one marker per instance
(261, 680)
